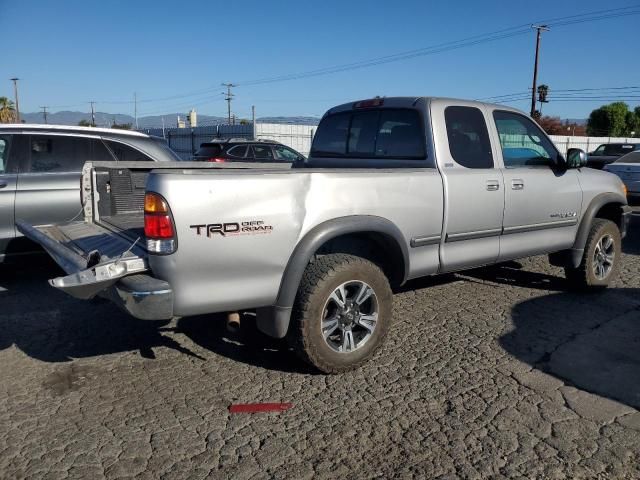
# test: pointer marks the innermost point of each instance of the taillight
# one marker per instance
(216, 160)
(374, 102)
(158, 225)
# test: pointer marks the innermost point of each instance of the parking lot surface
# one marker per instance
(498, 372)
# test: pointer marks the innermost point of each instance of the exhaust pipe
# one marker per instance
(233, 322)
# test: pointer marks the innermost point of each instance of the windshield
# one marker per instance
(633, 157)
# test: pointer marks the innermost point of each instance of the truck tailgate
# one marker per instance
(93, 257)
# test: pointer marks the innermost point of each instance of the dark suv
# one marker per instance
(609, 152)
(243, 150)
(40, 169)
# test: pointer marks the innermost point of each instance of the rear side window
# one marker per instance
(239, 151)
(4, 153)
(99, 152)
(262, 152)
(125, 153)
(284, 153)
(51, 154)
(468, 136)
(382, 133)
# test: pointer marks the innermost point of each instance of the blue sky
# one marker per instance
(70, 52)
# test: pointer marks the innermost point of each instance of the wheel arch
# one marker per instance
(339, 235)
(609, 206)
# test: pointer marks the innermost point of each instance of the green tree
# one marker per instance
(609, 120)
(7, 111)
(84, 123)
(633, 122)
(121, 126)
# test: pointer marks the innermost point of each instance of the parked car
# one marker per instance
(394, 189)
(609, 152)
(627, 168)
(40, 171)
(243, 150)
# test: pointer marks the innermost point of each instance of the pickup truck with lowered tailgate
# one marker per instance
(393, 189)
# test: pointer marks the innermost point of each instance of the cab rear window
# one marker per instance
(377, 133)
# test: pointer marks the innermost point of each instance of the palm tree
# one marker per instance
(7, 111)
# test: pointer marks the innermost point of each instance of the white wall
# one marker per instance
(297, 137)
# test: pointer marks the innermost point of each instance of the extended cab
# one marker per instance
(394, 189)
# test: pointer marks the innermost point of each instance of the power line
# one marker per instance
(438, 48)
(477, 39)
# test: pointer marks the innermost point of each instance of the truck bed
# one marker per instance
(120, 188)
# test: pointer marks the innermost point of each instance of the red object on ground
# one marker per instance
(259, 407)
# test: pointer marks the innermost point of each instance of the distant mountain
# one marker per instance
(72, 118)
(577, 121)
(170, 120)
(291, 120)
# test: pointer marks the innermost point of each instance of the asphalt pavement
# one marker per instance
(498, 372)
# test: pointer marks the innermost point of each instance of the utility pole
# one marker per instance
(135, 108)
(253, 121)
(228, 98)
(540, 29)
(44, 114)
(93, 114)
(15, 95)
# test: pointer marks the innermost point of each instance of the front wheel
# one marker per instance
(342, 312)
(601, 258)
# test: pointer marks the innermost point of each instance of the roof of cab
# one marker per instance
(72, 129)
(410, 102)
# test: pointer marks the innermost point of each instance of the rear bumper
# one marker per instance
(138, 293)
(142, 296)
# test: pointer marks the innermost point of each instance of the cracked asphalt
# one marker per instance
(498, 372)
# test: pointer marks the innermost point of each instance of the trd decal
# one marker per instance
(564, 215)
(231, 229)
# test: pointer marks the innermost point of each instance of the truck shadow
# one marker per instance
(51, 326)
(248, 345)
(512, 273)
(631, 243)
(590, 341)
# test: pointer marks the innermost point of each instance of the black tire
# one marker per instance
(585, 277)
(321, 279)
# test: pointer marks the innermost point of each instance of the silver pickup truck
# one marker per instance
(394, 189)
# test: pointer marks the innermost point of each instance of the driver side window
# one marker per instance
(523, 143)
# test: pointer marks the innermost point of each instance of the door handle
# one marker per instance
(517, 184)
(493, 185)
(3, 184)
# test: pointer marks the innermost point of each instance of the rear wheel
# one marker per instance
(601, 258)
(342, 312)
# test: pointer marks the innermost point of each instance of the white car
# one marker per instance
(627, 168)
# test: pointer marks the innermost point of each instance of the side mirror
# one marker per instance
(576, 158)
